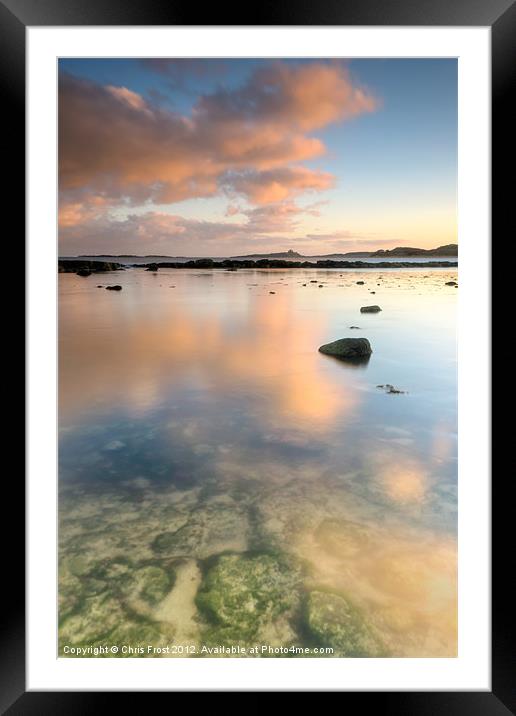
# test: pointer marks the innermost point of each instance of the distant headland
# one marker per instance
(393, 258)
(290, 256)
(401, 251)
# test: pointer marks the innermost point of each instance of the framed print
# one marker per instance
(258, 292)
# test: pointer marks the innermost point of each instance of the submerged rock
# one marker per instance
(95, 618)
(333, 621)
(154, 583)
(348, 348)
(370, 309)
(245, 597)
(451, 283)
(138, 634)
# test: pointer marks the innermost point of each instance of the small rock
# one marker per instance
(273, 292)
(370, 309)
(83, 272)
(348, 348)
(451, 283)
(351, 327)
(113, 288)
(391, 389)
(360, 283)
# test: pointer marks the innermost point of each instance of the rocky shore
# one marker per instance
(87, 267)
(232, 264)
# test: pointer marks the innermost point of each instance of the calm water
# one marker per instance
(223, 483)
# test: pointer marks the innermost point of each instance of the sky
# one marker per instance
(221, 157)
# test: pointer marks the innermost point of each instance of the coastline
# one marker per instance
(74, 265)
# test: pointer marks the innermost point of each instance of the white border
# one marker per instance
(471, 670)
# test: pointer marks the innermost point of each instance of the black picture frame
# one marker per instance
(500, 15)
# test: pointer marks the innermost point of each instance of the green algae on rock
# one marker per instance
(333, 621)
(244, 597)
(138, 634)
(154, 583)
(95, 618)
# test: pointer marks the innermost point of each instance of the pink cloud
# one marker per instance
(303, 97)
(114, 143)
(80, 210)
(278, 184)
(273, 218)
(263, 228)
(233, 210)
(132, 99)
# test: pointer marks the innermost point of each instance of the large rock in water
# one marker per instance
(349, 348)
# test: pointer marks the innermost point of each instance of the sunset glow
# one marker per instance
(227, 157)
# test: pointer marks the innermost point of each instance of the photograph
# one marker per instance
(257, 357)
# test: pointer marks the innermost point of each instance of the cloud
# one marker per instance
(153, 233)
(132, 99)
(274, 218)
(249, 141)
(340, 236)
(278, 184)
(346, 240)
(262, 229)
(303, 97)
(169, 234)
(78, 211)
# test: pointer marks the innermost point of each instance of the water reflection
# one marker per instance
(202, 421)
(356, 362)
(266, 351)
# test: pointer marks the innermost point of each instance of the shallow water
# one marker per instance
(213, 461)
